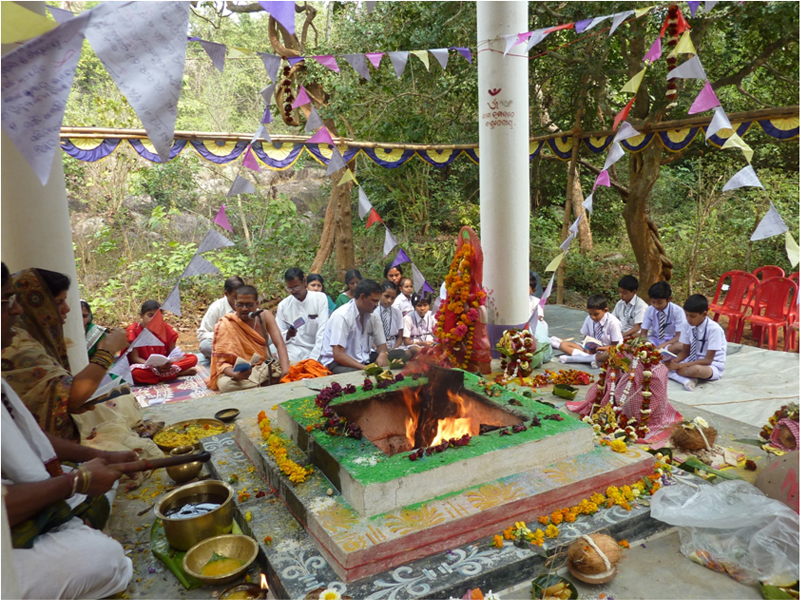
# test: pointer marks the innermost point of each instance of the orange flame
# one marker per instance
(455, 427)
(264, 585)
(412, 402)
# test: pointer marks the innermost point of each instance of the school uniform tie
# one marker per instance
(662, 324)
(386, 319)
(598, 330)
(693, 347)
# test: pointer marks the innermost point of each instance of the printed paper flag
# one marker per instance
(623, 114)
(709, 5)
(150, 79)
(281, 11)
(465, 52)
(587, 204)
(18, 23)
(401, 258)
(348, 176)
(555, 262)
(614, 155)
(389, 242)
(122, 367)
(359, 64)
(213, 240)
(633, 85)
(736, 142)
(574, 227)
(691, 69)
(417, 277)
(618, 19)
(313, 122)
(173, 301)
(442, 55)
(272, 63)
(771, 225)
(640, 12)
(597, 20)
(511, 40)
(222, 219)
(693, 6)
(250, 160)
(240, 186)
(685, 46)
(261, 134)
(234, 52)
(336, 163)
(567, 242)
(536, 37)
(547, 291)
(581, 26)
(326, 60)
(35, 87)
(302, 98)
(266, 118)
(146, 338)
(745, 178)
(375, 58)
(323, 136)
(792, 250)
(654, 53)
(370, 6)
(364, 205)
(267, 93)
(602, 179)
(705, 100)
(216, 52)
(197, 266)
(718, 123)
(625, 132)
(373, 217)
(60, 14)
(399, 61)
(423, 56)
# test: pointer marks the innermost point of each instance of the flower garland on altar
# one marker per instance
(277, 448)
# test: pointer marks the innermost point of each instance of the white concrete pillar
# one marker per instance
(35, 225)
(504, 164)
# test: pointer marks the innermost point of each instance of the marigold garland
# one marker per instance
(277, 449)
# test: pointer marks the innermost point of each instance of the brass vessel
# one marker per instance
(186, 472)
(238, 547)
(182, 534)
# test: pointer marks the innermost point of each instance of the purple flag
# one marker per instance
(359, 64)
(602, 179)
(172, 303)
(654, 53)
(705, 100)
(326, 60)
(293, 60)
(272, 63)
(60, 14)
(302, 98)
(250, 160)
(401, 258)
(313, 122)
(426, 287)
(693, 6)
(465, 52)
(266, 118)
(222, 219)
(216, 52)
(375, 58)
(281, 11)
(580, 26)
(323, 136)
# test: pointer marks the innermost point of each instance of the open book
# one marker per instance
(590, 344)
(158, 360)
(242, 365)
(298, 323)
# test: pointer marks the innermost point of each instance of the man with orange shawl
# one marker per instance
(240, 335)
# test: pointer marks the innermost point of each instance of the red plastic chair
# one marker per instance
(768, 272)
(794, 277)
(734, 305)
(790, 332)
(773, 297)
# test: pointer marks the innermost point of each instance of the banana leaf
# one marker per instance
(692, 463)
(545, 583)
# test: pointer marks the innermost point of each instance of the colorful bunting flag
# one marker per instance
(596, 21)
(602, 179)
(465, 52)
(146, 338)
(693, 6)
(745, 178)
(792, 250)
(370, 7)
(426, 287)
(250, 161)
(633, 85)
(574, 227)
(313, 122)
(157, 326)
(261, 134)
(581, 26)
(293, 60)
(222, 219)
(623, 114)
(441, 55)
(281, 11)
(236, 52)
(691, 69)
(60, 14)
(212, 241)
(423, 56)
(417, 278)
(389, 242)
(240, 186)
(272, 63)
(359, 64)
(640, 12)
(19, 23)
(618, 20)
(347, 177)
(770, 226)
(614, 155)
(587, 204)
(555, 262)
(511, 40)
(685, 46)
(709, 4)
(625, 132)
(736, 142)
(267, 93)
(328, 61)
(719, 123)
(373, 217)
(547, 291)
(302, 98)
(122, 367)
(173, 302)
(399, 61)
(654, 53)
(198, 266)
(364, 205)
(266, 118)
(705, 100)
(536, 37)
(336, 163)
(216, 52)
(323, 136)
(567, 242)
(401, 258)
(375, 59)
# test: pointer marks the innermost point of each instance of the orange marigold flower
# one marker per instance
(624, 544)
(261, 416)
(556, 518)
(497, 542)
(544, 520)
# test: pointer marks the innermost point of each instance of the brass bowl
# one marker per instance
(226, 415)
(178, 427)
(239, 547)
(182, 534)
(185, 472)
(251, 589)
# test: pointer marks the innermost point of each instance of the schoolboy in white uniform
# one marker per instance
(630, 308)
(601, 325)
(662, 319)
(302, 317)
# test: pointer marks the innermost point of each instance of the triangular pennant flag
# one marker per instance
(213, 240)
(465, 52)
(792, 250)
(364, 205)
(718, 123)
(423, 56)
(654, 53)
(293, 60)
(574, 227)
(567, 242)
(152, 91)
(272, 64)
(705, 100)
(261, 134)
(684, 46)
(240, 186)
(328, 61)
(597, 20)
(417, 278)
(587, 204)
(60, 15)
(19, 23)
(399, 60)
(401, 258)
(173, 301)
(691, 69)
(561, 27)
(709, 4)
(745, 178)
(336, 162)
(266, 118)
(313, 122)
(375, 59)
(216, 52)
(359, 64)
(348, 176)
(389, 242)
(122, 367)
(157, 326)
(602, 179)
(426, 287)
(614, 155)
(234, 52)
(442, 55)
(633, 85)
(373, 218)
(323, 136)
(370, 6)
(640, 12)
(281, 11)
(555, 262)
(736, 142)
(618, 19)
(625, 132)
(302, 98)
(547, 291)
(693, 6)
(533, 322)
(146, 338)
(250, 161)
(198, 266)
(35, 89)
(511, 40)
(222, 219)
(623, 114)
(267, 93)
(771, 225)
(581, 26)
(536, 37)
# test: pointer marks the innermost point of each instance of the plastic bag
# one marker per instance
(733, 528)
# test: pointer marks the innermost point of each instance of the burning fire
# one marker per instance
(455, 427)
(412, 402)
(264, 585)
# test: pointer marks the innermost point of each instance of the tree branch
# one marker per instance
(761, 59)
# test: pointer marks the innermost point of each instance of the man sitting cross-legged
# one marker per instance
(302, 317)
(240, 335)
(346, 346)
(218, 308)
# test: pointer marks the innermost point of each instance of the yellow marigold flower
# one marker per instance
(556, 518)
(520, 525)
(497, 542)
(508, 533)
(569, 517)
(551, 531)
(597, 498)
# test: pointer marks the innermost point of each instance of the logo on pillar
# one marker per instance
(495, 91)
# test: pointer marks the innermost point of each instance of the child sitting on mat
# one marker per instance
(601, 325)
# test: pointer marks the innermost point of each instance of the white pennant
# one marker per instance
(173, 301)
(574, 227)
(771, 225)
(597, 20)
(399, 61)
(371, 5)
(548, 290)
(417, 277)
(336, 163)
(745, 178)
(625, 132)
(213, 240)
(146, 338)
(364, 205)
(511, 41)
(587, 204)
(260, 134)
(567, 242)
(150, 78)
(691, 69)
(240, 186)
(534, 320)
(389, 242)
(614, 155)
(536, 37)
(719, 122)
(122, 367)
(709, 4)
(442, 55)
(272, 63)
(313, 122)
(267, 93)
(60, 15)
(197, 266)
(618, 19)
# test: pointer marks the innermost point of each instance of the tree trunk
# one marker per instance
(345, 254)
(584, 230)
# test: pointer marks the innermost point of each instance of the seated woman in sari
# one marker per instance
(166, 371)
(94, 333)
(35, 364)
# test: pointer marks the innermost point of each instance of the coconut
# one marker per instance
(585, 559)
(690, 440)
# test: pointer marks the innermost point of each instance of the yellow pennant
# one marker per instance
(555, 262)
(640, 12)
(20, 24)
(685, 46)
(736, 142)
(236, 52)
(348, 176)
(792, 250)
(633, 85)
(423, 56)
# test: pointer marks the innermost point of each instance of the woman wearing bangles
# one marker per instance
(37, 367)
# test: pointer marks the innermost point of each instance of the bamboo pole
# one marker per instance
(573, 161)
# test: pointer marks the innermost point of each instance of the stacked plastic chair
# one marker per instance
(741, 290)
(772, 310)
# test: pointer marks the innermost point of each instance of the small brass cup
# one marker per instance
(185, 472)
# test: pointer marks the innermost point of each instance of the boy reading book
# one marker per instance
(602, 330)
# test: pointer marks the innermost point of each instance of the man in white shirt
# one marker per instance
(302, 317)
(346, 344)
(630, 308)
(217, 310)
